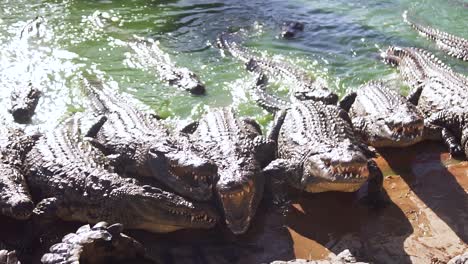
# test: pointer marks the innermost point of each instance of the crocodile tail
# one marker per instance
(230, 43)
(268, 101)
(96, 93)
(426, 31)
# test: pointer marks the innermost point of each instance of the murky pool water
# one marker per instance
(341, 43)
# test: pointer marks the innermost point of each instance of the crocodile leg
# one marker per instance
(374, 197)
(190, 128)
(264, 150)
(450, 121)
(452, 142)
(279, 120)
(276, 175)
(348, 101)
(94, 129)
(413, 96)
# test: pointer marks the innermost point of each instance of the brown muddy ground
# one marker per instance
(425, 221)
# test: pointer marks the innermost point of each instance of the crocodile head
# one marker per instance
(152, 209)
(393, 55)
(403, 127)
(317, 91)
(290, 29)
(183, 170)
(343, 168)
(239, 192)
(15, 200)
(189, 81)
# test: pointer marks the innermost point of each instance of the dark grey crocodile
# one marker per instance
(453, 45)
(24, 102)
(435, 87)
(68, 177)
(382, 117)
(15, 200)
(304, 86)
(8, 257)
(239, 150)
(102, 243)
(140, 144)
(290, 29)
(148, 54)
(318, 151)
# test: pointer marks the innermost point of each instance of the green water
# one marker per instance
(341, 43)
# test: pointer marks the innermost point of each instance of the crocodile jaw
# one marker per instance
(155, 210)
(188, 175)
(240, 199)
(345, 172)
(396, 132)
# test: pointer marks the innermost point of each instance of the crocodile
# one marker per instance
(290, 29)
(8, 257)
(304, 86)
(70, 180)
(148, 54)
(101, 243)
(15, 199)
(240, 151)
(383, 117)
(453, 45)
(141, 145)
(24, 103)
(435, 87)
(318, 151)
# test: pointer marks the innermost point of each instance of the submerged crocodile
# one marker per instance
(453, 45)
(382, 117)
(304, 86)
(318, 151)
(435, 88)
(140, 144)
(24, 102)
(290, 29)
(102, 243)
(239, 150)
(15, 200)
(68, 178)
(150, 55)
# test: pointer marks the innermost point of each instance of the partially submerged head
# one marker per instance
(393, 55)
(152, 209)
(290, 29)
(317, 91)
(15, 200)
(189, 81)
(239, 191)
(182, 169)
(343, 168)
